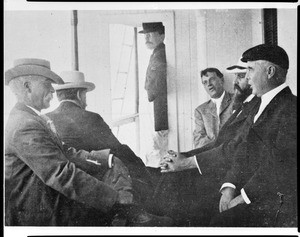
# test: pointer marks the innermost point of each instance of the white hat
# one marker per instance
(74, 79)
(31, 66)
(240, 67)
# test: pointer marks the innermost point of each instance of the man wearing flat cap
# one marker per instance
(48, 183)
(156, 87)
(86, 130)
(260, 187)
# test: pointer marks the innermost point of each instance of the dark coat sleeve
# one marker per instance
(267, 162)
(37, 149)
(277, 168)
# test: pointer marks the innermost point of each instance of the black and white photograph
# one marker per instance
(150, 118)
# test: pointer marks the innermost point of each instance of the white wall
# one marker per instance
(287, 39)
(36, 34)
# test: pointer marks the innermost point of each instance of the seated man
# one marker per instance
(264, 160)
(48, 183)
(211, 115)
(206, 187)
(86, 130)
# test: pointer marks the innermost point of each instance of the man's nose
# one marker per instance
(147, 35)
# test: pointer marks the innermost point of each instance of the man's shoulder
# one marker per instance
(203, 106)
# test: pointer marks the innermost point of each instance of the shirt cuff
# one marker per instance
(110, 163)
(230, 185)
(245, 197)
(197, 165)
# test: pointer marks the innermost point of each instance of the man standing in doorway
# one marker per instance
(156, 87)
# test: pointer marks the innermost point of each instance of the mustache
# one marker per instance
(237, 87)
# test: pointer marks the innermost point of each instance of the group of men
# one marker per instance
(254, 157)
(67, 168)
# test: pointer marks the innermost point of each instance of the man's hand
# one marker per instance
(175, 161)
(236, 201)
(227, 196)
(125, 197)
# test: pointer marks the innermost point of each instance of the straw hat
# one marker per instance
(31, 66)
(74, 79)
(240, 67)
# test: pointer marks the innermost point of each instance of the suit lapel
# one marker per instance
(246, 110)
(211, 109)
(272, 105)
(225, 102)
(24, 108)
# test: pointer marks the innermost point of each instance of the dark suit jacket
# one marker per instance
(156, 86)
(88, 131)
(195, 197)
(207, 121)
(42, 186)
(265, 164)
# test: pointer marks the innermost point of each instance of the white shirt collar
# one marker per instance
(249, 98)
(35, 110)
(218, 102)
(267, 97)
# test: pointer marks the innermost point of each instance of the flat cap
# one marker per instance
(152, 27)
(268, 52)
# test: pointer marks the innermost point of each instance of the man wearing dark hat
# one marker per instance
(261, 187)
(47, 183)
(86, 130)
(262, 154)
(156, 87)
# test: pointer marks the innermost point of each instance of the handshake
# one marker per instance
(175, 161)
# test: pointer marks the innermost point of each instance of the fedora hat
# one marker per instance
(152, 27)
(31, 66)
(74, 79)
(240, 67)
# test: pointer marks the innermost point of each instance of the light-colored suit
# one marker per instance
(207, 121)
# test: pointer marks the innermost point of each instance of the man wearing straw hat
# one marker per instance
(48, 183)
(242, 89)
(86, 130)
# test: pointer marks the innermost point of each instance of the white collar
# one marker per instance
(35, 110)
(249, 98)
(267, 97)
(218, 100)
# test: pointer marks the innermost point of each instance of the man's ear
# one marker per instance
(271, 71)
(27, 86)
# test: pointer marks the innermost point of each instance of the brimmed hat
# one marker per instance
(268, 52)
(240, 67)
(31, 66)
(152, 27)
(74, 79)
